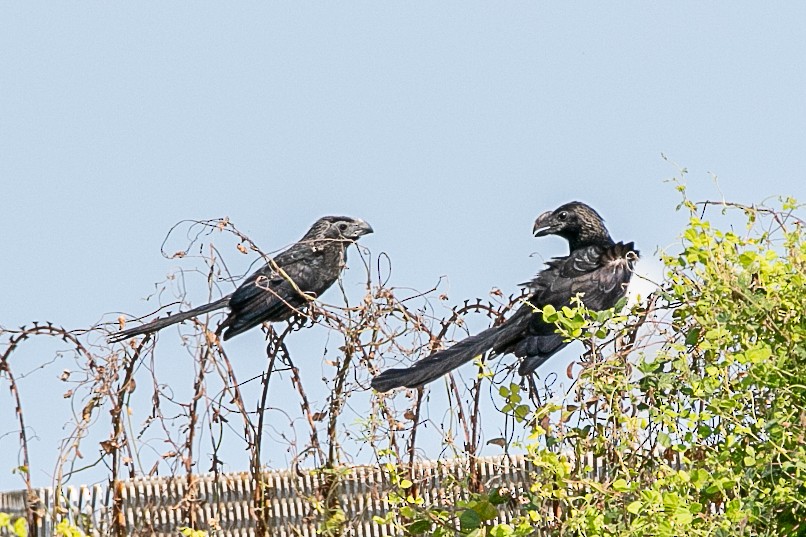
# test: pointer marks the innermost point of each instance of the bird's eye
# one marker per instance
(342, 226)
(563, 215)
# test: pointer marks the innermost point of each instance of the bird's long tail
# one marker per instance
(159, 324)
(442, 362)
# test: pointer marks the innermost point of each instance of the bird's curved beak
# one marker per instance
(542, 225)
(365, 228)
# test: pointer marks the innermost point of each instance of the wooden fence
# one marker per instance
(224, 504)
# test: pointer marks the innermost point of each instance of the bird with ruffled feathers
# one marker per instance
(597, 269)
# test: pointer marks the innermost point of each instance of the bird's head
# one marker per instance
(576, 222)
(341, 228)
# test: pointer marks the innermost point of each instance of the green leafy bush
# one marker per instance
(694, 402)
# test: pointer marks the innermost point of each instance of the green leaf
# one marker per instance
(469, 520)
(419, 526)
(671, 501)
(496, 498)
(635, 507)
(758, 355)
(405, 484)
(21, 528)
(485, 510)
(747, 258)
(550, 314)
(502, 530)
(620, 485)
(521, 412)
(705, 431)
(65, 529)
(682, 517)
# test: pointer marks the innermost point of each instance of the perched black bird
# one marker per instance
(597, 268)
(283, 286)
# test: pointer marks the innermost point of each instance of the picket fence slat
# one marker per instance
(224, 504)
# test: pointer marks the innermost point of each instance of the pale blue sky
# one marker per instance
(448, 126)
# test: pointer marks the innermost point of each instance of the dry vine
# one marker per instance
(385, 326)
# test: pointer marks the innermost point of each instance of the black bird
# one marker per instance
(597, 268)
(283, 286)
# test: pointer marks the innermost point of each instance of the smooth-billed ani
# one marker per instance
(283, 286)
(596, 268)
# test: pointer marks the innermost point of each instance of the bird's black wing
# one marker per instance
(598, 274)
(280, 288)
